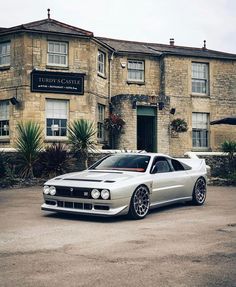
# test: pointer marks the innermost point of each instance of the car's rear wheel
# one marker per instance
(199, 192)
(140, 202)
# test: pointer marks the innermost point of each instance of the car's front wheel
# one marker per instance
(140, 202)
(199, 192)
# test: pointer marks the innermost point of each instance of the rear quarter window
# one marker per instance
(179, 165)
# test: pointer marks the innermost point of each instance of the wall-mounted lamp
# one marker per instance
(14, 101)
(111, 108)
(172, 111)
(163, 101)
(134, 104)
(161, 105)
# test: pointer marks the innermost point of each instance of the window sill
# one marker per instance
(55, 139)
(4, 68)
(197, 95)
(139, 83)
(4, 139)
(102, 76)
(196, 149)
(50, 67)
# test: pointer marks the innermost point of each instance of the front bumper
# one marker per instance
(87, 207)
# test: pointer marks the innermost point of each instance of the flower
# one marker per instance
(114, 123)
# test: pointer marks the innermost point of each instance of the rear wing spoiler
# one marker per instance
(195, 164)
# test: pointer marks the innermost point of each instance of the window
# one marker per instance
(100, 123)
(4, 118)
(56, 118)
(5, 54)
(200, 123)
(136, 71)
(160, 165)
(101, 62)
(200, 78)
(58, 54)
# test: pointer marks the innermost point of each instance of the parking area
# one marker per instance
(181, 245)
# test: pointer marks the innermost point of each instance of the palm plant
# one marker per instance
(81, 134)
(29, 144)
(56, 160)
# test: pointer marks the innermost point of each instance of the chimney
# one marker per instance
(172, 42)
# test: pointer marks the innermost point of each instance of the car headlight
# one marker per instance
(46, 189)
(95, 193)
(105, 194)
(52, 190)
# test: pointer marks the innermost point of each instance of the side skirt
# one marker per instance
(168, 202)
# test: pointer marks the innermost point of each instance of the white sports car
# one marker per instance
(127, 183)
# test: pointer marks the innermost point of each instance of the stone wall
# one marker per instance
(30, 52)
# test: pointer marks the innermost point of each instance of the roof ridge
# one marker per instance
(61, 24)
(148, 45)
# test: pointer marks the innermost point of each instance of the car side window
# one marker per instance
(177, 165)
(160, 165)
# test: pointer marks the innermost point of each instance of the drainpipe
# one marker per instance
(110, 78)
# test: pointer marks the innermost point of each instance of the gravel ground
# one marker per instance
(181, 245)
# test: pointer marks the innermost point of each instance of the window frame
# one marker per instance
(5, 121)
(200, 79)
(101, 63)
(5, 55)
(199, 134)
(136, 70)
(100, 122)
(53, 119)
(60, 54)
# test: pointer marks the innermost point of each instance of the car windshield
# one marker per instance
(136, 163)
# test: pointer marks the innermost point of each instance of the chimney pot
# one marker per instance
(172, 41)
(48, 13)
(204, 45)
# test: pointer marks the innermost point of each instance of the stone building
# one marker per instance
(54, 73)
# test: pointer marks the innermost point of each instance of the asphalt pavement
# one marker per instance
(181, 245)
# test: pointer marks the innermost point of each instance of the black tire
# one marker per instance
(140, 202)
(199, 192)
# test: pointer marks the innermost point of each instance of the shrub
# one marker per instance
(7, 171)
(55, 160)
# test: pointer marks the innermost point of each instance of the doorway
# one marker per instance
(146, 129)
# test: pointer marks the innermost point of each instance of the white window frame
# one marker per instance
(59, 54)
(5, 54)
(101, 63)
(4, 119)
(136, 70)
(200, 130)
(100, 122)
(55, 117)
(200, 78)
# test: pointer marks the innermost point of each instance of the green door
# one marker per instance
(146, 129)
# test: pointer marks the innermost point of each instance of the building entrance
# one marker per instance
(146, 129)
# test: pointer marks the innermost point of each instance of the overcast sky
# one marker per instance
(189, 22)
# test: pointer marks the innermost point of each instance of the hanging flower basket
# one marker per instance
(179, 126)
(114, 123)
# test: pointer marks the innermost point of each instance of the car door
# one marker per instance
(168, 184)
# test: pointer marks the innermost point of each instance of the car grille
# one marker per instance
(73, 192)
(81, 205)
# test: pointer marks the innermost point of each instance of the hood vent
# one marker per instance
(78, 179)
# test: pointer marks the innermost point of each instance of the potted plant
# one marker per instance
(114, 124)
(179, 126)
